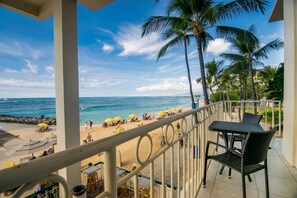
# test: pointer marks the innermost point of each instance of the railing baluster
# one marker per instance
(188, 165)
(272, 114)
(193, 161)
(279, 117)
(136, 189)
(110, 177)
(178, 170)
(172, 172)
(163, 176)
(184, 166)
(152, 177)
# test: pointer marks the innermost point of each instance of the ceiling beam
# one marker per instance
(21, 7)
(277, 13)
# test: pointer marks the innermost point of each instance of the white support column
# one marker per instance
(290, 84)
(66, 75)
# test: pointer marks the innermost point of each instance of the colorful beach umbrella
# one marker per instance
(161, 113)
(42, 125)
(10, 164)
(109, 120)
(133, 116)
(117, 118)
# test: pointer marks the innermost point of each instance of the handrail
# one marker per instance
(22, 173)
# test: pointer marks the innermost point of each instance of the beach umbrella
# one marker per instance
(30, 147)
(42, 125)
(10, 164)
(161, 113)
(117, 118)
(133, 116)
(109, 120)
(148, 115)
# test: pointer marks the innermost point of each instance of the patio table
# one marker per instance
(90, 170)
(233, 127)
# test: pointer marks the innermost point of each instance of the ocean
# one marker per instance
(96, 109)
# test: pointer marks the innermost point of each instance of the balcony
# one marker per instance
(282, 179)
(168, 168)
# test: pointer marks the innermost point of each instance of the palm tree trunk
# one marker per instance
(253, 86)
(244, 86)
(188, 70)
(240, 88)
(202, 70)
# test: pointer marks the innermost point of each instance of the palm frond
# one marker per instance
(205, 38)
(157, 23)
(229, 32)
(263, 51)
(171, 44)
(236, 7)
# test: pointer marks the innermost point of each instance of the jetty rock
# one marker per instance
(28, 120)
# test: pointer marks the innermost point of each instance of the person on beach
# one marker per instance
(89, 138)
(134, 166)
(91, 124)
(86, 125)
(178, 127)
(44, 154)
(104, 124)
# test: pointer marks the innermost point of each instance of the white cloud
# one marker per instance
(168, 84)
(218, 46)
(24, 83)
(19, 49)
(50, 69)
(270, 36)
(30, 67)
(129, 38)
(10, 71)
(107, 48)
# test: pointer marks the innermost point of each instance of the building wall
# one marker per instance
(290, 84)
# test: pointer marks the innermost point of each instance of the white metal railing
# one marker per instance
(270, 109)
(185, 170)
(185, 162)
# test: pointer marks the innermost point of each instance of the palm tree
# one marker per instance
(238, 67)
(200, 16)
(214, 69)
(178, 36)
(250, 47)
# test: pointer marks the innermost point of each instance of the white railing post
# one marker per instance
(163, 176)
(279, 117)
(152, 181)
(172, 171)
(110, 176)
(272, 123)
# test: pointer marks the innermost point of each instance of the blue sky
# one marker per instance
(113, 59)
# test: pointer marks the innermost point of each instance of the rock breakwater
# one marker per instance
(28, 120)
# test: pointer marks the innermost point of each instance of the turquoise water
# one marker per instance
(97, 109)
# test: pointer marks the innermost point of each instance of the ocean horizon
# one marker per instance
(96, 109)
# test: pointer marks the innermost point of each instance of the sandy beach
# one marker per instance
(30, 132)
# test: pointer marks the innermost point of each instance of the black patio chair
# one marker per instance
(249, 119)
(248, 161)
(246, 118)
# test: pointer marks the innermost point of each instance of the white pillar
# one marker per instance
(290, 84)
(66, 74)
